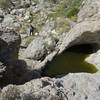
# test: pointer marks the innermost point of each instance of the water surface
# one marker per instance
(71, 61)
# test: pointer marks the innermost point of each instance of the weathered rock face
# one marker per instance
(9, 46)
(8, 21)
(83, 33)
(88, 30)
(71, 87)
(90, 10)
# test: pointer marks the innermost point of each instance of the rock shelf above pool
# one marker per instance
(71, 61)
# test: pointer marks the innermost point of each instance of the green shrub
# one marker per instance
(74, 8)
(66, 9)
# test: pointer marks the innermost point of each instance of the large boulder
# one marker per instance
(39, 48)
(36, 49)
(9, 46)
(71, 87)
(86, 32)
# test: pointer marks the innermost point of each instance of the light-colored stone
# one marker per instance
(89, 10)
(84, 32)
(95, 59)
(71, 87)
(40, 47)
(8, 21)
(36, 49)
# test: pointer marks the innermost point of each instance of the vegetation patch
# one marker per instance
(29, 40)
(61, 25)
(67, 8)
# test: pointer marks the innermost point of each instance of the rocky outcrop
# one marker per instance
(9, 47)
(8, 21)
(71, 87)
(88, 30)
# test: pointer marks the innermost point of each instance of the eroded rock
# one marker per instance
(71, 87)
(88, 30)
(9, 46)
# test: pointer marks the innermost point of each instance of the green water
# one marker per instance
(71, 61)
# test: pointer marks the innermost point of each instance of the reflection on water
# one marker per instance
(71, 61)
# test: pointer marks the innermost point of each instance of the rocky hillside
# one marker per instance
(44, 15)
(59, 24)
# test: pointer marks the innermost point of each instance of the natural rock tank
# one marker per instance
(71, 61)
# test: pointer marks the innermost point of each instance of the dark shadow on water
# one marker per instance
(71, 61)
